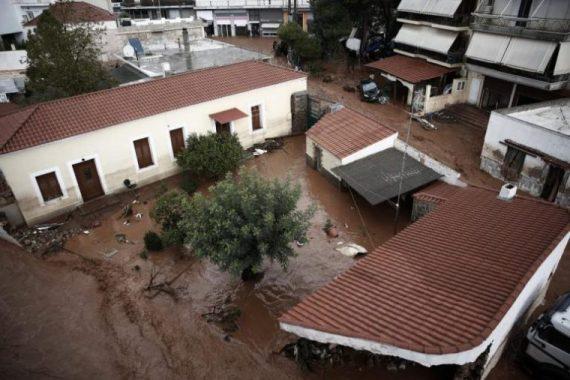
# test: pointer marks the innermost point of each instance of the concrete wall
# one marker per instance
(450, 175)
(328, 160)
(112, 148)
(502, 127)
(459, 94)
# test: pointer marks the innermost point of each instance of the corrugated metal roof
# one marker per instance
(377, 177)
(445, 282)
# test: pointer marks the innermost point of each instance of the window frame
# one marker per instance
(152, 153)
(261, 106)
(37, 190)
(184, 136)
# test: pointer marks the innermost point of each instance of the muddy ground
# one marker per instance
(83, 312)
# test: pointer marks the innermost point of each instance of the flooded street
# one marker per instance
(95, 317)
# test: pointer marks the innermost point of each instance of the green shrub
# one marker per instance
(152, 241)
(168, 211)
(211, 156)
(188, 183)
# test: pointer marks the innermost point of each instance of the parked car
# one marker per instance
(548, 342)
(369, 90)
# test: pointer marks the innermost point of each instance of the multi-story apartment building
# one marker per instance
(430, 47)
(156, 9)
(251, 17)
(519, 52)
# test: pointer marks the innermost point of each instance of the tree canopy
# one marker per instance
(63, 61)
(244, 219)
(212, 155)
(304, 47)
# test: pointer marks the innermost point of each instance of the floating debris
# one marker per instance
(351, 249)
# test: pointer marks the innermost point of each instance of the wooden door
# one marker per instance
(88, 180)
(177, 141)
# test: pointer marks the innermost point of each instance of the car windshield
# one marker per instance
(370, 86)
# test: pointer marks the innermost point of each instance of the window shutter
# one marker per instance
(144, 156)
(49, 186)
(256, 118)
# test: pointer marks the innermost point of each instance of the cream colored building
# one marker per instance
(140, 147)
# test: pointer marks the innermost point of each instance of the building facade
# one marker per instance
(519, 52)
(530, 146)
(105, 138)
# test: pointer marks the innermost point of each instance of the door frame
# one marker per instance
(95, 158)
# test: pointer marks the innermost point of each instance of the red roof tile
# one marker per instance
(75, 12)
(59, 119)
(443, 283)
(437, 192)
(345, 132)
(228, 115)
(412, 70)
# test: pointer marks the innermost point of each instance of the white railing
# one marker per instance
(215, 4)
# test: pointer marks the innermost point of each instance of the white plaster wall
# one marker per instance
(449, 174)
(437, 103)
(113, 147)
(502, 127)
(528, 297)
(379, 146)
(328, 161)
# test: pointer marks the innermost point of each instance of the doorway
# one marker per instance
(88, 180)
(318, 157)
(552, 183)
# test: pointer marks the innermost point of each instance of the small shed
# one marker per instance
(344, 136)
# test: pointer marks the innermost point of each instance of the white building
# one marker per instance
(59, 154)
(530, 146)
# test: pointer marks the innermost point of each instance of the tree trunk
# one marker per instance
(247, 274)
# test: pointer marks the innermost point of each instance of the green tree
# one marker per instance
(305, 48)
(211, 156)
(245, 219)
(168, 211)
(63, 61)
(331, 22)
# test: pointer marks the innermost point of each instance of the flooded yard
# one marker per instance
(93, 317)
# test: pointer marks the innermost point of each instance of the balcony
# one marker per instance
(250, 4)
(157, 3)
(453, 58)
(548, 29)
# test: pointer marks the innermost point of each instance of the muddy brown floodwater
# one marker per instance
(83, 312)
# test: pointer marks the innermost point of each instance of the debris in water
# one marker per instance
(110, 254)
(225, 315)
(299, 244)
(351, 249)
(122, 238)
(259, 152)
(139, 216)
(45, 238)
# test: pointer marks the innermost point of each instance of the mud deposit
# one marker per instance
(84, 312)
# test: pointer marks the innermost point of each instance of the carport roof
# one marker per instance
(411, 70)
(377, 177)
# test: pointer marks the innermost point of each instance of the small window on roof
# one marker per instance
(49, 186)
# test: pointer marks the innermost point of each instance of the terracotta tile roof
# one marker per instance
(6, 108)
(228, 115)
(412, 70)
(59, 119)
(75, 12)
(443, 283)
(345, 132)
(437, 192)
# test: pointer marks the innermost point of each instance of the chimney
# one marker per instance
(508, 192)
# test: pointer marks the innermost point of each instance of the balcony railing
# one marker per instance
(452, 56)
(225, 4)
(519, 25)
(156, 3)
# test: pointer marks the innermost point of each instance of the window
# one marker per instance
(177, 141)
(223, 127)
(256, 118)
(144, 155)
(49, 186)
(513, 164)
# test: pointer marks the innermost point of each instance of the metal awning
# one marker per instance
(529, 55)
(487, 47)
(446, 8)
(228, 115)
(563, 60)
(377, 177)
(426, 37)
(517, 53)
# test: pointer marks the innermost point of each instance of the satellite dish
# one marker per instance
(128, 51)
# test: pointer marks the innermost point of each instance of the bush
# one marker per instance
(152, 241)
(211, 156)
(188, 183)
(244, 220)
(290, 33)
(168, 212)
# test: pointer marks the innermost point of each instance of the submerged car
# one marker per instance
(548, 341)
(369, 90)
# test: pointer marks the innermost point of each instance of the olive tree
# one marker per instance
(244, 219)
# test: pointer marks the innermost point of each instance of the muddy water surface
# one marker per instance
(148, 334)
